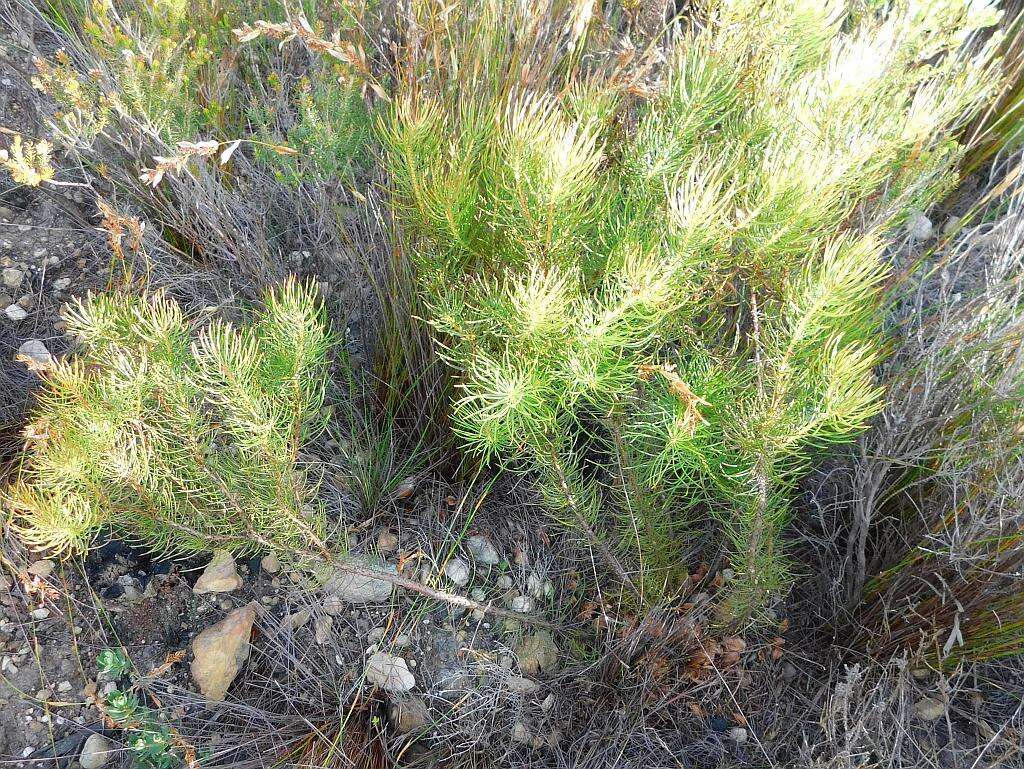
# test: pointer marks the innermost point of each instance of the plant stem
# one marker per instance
(571, 503)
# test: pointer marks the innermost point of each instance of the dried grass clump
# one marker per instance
(936, 553)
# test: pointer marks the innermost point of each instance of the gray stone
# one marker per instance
(62, 284)
(457, 570)
(538, 653)
(96, 752)
(409, 714)
(358, 588)
(929, 709)
(219, 576)
(390, 673)
(483, 550)
(15, 313)
(738, 735)
(270, 564)
(35, 356)
(12, 277)
(221, 650)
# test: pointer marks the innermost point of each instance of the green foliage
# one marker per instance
(684, 301)
(186, 438)
(150, 741)
(112, 663)
(171, 61)
(330, 132)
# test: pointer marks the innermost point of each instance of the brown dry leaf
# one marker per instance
(282, 149)
(118, 226)
(692, 417)
(734, 644)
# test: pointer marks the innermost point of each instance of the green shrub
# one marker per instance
(330, 134)
(186, 438)
(678, 295)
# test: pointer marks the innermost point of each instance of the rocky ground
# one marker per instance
(49, 249)
(194, 629)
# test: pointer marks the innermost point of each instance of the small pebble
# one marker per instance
(42, 568)
(919, 227)
(387, 542)
(457, 570)
(15, 313)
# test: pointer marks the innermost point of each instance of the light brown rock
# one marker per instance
(390, 673)
(221, 650)
(219, 576)
(538, 654)
(42, 568)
